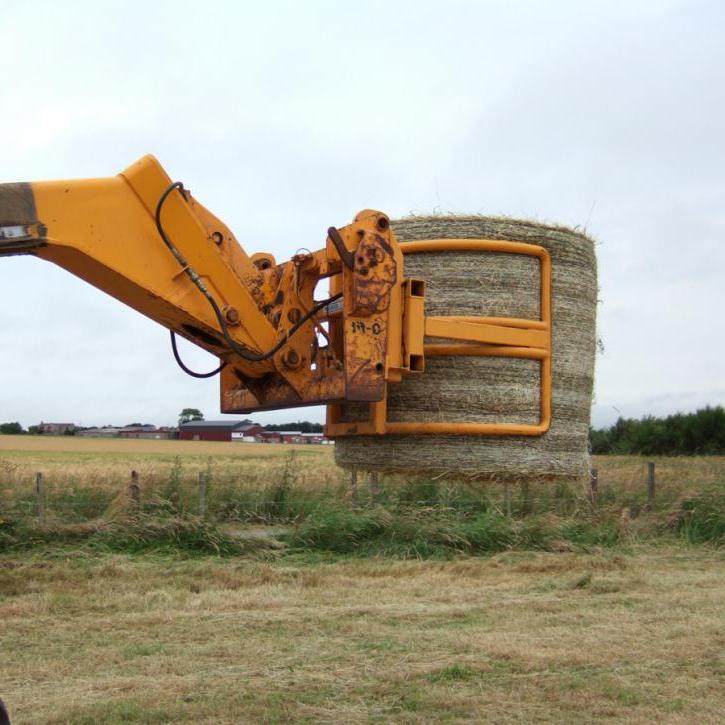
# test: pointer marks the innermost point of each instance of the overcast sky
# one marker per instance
(287, 117)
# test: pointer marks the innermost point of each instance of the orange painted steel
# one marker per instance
(505, 321)
(151, 245)
(185, 269)
(511, 337)
(482, 332)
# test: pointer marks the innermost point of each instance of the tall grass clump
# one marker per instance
(403, 533)
(143, 532)
(339, 530)
(431, 533)
(172, 491)
(277, 506)
(278, 497)
(425, 517)
(702, 519)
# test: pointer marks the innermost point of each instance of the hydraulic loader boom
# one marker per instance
(147, 242)
(151, 245)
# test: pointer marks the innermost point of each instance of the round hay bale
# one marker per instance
(491, 389)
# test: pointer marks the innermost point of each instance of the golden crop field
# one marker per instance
(377, 609)
(70, 460)
(107, 462)
(81, 467)
(124, 446)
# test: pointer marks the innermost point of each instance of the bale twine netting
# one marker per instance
(492, 389)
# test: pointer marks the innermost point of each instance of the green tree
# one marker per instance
(189, 414)
(10, 429)
(699, 433)
(304, 426)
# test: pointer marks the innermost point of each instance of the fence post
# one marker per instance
(134, 490)
(650, 485)
(525, 498)
(374, 483)
(507, 499)
(594, 485)
(202, 494)
(40, 494)
(353, 486)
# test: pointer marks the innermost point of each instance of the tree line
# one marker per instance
(188, 415)
(682, 434)
(303, 426)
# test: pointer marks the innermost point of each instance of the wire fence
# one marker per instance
(206, 494)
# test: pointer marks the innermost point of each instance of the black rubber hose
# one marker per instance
(188, 371)
(194, 277)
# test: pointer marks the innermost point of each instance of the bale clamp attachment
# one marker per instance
(431, 336)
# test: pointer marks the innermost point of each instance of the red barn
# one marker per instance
(269, 436)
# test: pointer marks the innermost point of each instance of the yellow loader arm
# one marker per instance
(147, 242)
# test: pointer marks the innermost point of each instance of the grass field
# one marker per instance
(78, 467)
(83, 476)
(421, 603)
(633, 636)
(106, 464)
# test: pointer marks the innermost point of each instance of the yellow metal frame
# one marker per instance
(480, 336)
(184, 269)
(189, 273)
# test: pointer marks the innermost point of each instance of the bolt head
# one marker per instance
(291, 359)
(231, 315)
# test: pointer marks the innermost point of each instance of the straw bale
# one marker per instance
(488, 389)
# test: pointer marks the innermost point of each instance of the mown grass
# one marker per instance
(296, 599)
(519, 636)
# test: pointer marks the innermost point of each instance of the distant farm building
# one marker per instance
(56, 429)
(147, 432)
(247, 433)
(243, 431)
(107, 432)
(218, 430)
(291, 436)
